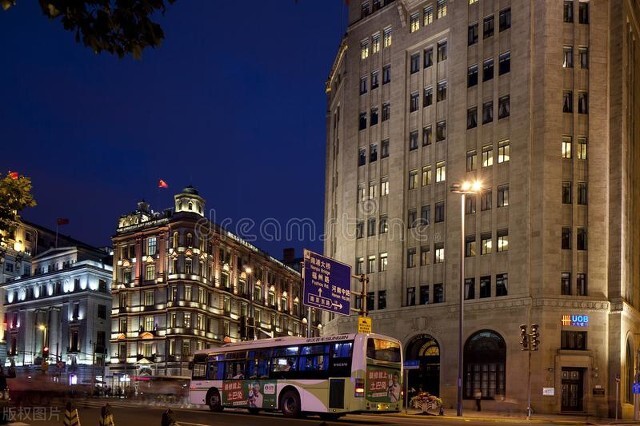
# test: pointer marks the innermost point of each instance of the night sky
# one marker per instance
(232, 103)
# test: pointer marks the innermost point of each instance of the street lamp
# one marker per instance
(251, 320)
(44, 336)
(463, 188)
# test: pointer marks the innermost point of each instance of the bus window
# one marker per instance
(258, 364)
(314, 358)
(383, 350)
(285, 359)
(213, 372)
(340, 363)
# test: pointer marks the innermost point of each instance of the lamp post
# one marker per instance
(463, 189)
(44, 337)
(250, 320)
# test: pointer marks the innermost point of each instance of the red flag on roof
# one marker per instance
(13, 175)
(62, 221)
(162, 184)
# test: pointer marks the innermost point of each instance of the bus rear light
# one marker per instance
(359, 391)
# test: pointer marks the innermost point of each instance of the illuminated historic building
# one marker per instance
(182, 283)
(539, 101)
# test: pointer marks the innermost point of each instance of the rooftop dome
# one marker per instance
(190, 190)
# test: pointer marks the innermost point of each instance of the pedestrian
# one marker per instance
(478, 396)
(70, 417)
(168, 418)
(106, 417)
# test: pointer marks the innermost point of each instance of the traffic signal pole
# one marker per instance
(529, 343)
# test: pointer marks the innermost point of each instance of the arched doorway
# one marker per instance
(426, 350)
(485, 354)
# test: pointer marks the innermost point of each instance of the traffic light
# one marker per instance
(524, 337)
(242, 328)
(534, 337)
(45, 352)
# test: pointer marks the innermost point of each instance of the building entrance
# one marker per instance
(572, 389)
(425, 349)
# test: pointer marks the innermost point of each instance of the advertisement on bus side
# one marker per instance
(383, 384)
(249, 393)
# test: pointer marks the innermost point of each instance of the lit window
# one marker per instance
(487, 156)
(413, 179)
(503, 240)
(372, 189)
(414, 22)
(383, 262)
(150, 273)
(428, 15)
(566, 147)
(426, 175)
(359, 265)
(442, 8)
(371, 264)
(375, 43)
(581, 150)
(364, 49)
(384, 225)
(439, 253)
(440, 171)
(386, 37)
(504, 148)
(384, 186)
(485, 244)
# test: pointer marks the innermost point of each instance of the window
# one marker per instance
(470, 204)
(152, 246)
(383, 262)
(503, 151)
(487, 70)
(438, 293)
(565, 283)
(425, 215)
(386, 111)
(148, 298)
(504, 19)
(364, 8)
(567, 101)
(424, 255)
(386, 74)
(426, 175)
(485, 244)
(415, 63)
(583, 52)
(583, 12)
(502, 236)
(362, 123)
(574, 340)
(360, 229)
(428, 15)
(472, 118)
(375, 80)
(411, 257)
(484, 365)
(382, 299)
(439, 253)
(470, 246)
(582, 239)
(428, 57)
(581, 150)
(469, 288)
(102, 311)
(375, 43)
(362, 194)
(583, 103)
(374, 116)
(363, 85)
(386, 37)
(362, 157)
(411, 296)
(487, 156)
(427, 99)
(371, 226)
(439, 211)
(150, 273)
(371, 264)
(504, 107)
(441, 131)
(566, 238)
(412, 218)
(414, 102)
(414, 22)
(370, 300)
(502, 281)
(581, 284)
(424, 294)
(427, 135)
(384, 186)
(568, 11)
(442, 8)
(413, 179)
(487, 27)
(473, 1)
(442, 50)
(413, 140)
(485, 286)
(472, 76)
(440, 171)
(364, 49)
(582, 193)
(487, 112)
(504, 63)
(442, 91)
(472, 160)
(503, 195)
(360, 265)
(472, 36)
(566, 147)
(384, 224)
(566, 192)
(567, 57)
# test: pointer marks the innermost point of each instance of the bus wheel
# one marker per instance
(213, 400)
(290, 404)
(253, 410)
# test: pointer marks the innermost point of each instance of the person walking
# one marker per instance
(70, 416)
(168, 418)
(106, 416)
(478, 396)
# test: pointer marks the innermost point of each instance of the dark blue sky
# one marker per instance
(232, 102)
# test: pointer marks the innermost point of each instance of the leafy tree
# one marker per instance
(119, 27)
(15, 195)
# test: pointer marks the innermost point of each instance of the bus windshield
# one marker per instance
(383, 350)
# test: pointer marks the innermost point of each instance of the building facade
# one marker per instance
(182, 284)
(539, 102)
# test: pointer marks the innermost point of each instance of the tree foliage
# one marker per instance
(15, 195)
(120, 27)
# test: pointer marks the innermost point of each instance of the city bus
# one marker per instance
(329, 376)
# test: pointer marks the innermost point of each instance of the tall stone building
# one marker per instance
(537, 100)
(182, 283)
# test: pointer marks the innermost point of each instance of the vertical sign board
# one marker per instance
(327, 284)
